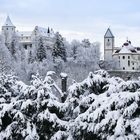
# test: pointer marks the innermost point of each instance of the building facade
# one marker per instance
(124, 58)
(26, 38)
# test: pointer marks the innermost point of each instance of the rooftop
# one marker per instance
(8, 22)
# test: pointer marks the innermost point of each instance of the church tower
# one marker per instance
(8, 30)
(108, 45)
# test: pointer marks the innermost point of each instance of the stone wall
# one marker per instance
(126, 75)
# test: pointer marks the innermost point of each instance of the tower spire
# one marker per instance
(108, 33)
(8, 22)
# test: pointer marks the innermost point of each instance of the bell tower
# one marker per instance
(8, 30)
(108, 45)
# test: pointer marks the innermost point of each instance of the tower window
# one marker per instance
(133, 68)
(128, 57)
(6, 28)
(123, 68)
(128, 62)
(123, 57)
(25, 46)
(108, 40)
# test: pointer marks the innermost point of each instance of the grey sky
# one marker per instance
(77, 18)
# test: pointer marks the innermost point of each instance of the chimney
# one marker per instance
(63, 81)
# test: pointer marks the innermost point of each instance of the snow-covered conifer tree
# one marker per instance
(41, 51)
(58, 48)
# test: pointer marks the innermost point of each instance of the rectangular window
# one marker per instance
(123, 57)
(128, 57)
(25, 46)
(133, 68)
(123, 68)
(128, 62)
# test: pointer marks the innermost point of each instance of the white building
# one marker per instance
(125, 58)
(26, 38)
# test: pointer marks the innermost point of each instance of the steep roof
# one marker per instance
(109, 33)
(8, 22)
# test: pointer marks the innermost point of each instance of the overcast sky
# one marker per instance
(77, 18)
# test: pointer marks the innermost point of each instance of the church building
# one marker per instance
(124, 58)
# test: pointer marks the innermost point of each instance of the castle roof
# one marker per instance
(8, 22)
(44, 31)
(24, 33)
(126, 48)
(108, 33)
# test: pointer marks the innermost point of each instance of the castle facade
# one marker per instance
(26, 38)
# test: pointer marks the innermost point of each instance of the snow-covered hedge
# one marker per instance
(100, 107)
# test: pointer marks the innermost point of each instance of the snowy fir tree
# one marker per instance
(100, 107)
(41, 51)
(59, 48)
(30, 57)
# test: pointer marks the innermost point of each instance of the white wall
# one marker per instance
(131, 65)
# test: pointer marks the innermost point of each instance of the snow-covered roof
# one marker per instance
(126, 48)
(25, 33)
(43, 31)
(8, 22)
(108, 33)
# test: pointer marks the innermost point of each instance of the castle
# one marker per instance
(26, 38)
(124, 58)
